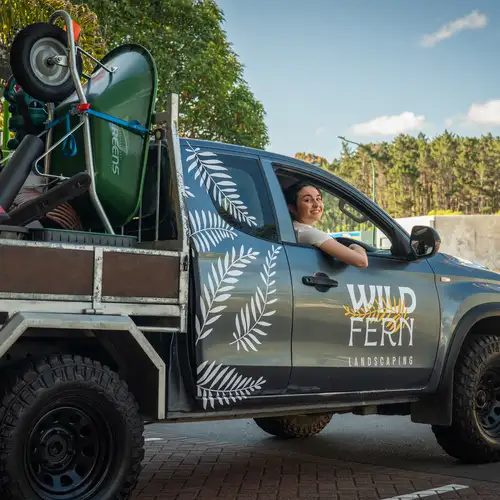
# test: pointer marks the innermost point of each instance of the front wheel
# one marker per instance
(474, 436)
(69, 429)
(296, 426)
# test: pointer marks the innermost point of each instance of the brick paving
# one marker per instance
(181, 468)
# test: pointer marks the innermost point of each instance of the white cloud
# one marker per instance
(390, 125)
(474, 20)
(320, 131)
(486, 113)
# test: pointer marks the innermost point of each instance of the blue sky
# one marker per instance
(325, 68)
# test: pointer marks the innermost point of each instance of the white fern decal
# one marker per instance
(249, 328)
(187, 192)
(217, 382)
(213, 173)
(220, 281)
(209, 229)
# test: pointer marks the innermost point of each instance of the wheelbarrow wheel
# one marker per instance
(33, 66)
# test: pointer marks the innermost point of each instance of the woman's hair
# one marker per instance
(291, 192)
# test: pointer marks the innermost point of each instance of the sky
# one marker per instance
(368, 69)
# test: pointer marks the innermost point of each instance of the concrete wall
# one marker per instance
(471, 237)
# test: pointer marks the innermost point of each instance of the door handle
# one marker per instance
(319, 280)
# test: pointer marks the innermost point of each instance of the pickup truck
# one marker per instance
(203, 306)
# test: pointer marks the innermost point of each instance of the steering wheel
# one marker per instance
(349, 241)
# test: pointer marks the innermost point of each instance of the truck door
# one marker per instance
(242, 324)
(355, 329)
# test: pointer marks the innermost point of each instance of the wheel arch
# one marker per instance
(118, 339)
(436, 408)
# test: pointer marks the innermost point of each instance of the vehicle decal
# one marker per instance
(187, 192)
(209, 232)
(249, 328)
(393, 324)
(213, 174)
(223, 384)
(209, 229)
(221, 281)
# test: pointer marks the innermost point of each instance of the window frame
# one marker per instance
(399, 238)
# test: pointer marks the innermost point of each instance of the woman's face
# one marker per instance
(309, 207)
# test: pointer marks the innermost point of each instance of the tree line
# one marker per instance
(447, 174)
(192, 53)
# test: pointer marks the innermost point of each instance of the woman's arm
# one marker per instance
(355, 255)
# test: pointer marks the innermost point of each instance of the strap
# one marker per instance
(134, 125)
(69, 144)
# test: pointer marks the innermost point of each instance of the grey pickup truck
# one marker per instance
(149, 278)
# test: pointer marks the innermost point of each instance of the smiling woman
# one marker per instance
(305, 203)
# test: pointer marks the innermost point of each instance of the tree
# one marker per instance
(312, 158)
(418, 176)
(191, 50)
(195, 60)
(16, 14)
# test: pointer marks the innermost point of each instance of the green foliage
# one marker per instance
(191, 50)
(16, 14)
(447, 174)
(312, 158)
(195, 60)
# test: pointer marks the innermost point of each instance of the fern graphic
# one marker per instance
(209, 229)
(187, 192)
(217, 382)
(213, 174)
(248, 329)
(380, 310)
(220, 281)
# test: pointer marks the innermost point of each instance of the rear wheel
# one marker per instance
(474, 436)
(69, 429)
(296, 426)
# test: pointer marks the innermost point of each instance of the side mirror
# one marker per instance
(424, 241)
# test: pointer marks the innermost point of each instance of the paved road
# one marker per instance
(379, 440)
(355, 458)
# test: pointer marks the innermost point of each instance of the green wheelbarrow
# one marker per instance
(102, 127)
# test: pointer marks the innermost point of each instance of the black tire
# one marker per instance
(295, 426)
(63, 419)
(40, 86)
(474, 436)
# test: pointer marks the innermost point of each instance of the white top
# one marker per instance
(310, 235)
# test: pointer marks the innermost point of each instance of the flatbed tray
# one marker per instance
(81, 237)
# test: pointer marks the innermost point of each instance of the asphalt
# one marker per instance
(393, 442)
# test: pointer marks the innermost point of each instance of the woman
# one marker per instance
(305, 204)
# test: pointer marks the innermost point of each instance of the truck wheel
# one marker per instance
(296, 426)
(474, 436)
(32, 67)
(69, 428)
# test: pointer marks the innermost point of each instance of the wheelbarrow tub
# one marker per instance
(120, 155)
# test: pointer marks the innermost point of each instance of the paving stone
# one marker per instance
(182, 468)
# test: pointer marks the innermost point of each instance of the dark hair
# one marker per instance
(291, 192)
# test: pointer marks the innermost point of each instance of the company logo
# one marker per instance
(380, 320)
(119, 147)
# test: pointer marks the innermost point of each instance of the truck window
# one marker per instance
(251, 185)
(342, 220)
